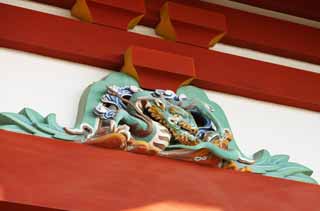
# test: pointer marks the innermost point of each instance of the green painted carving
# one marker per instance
(31, 122)
(114, 112)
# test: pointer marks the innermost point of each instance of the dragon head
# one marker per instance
(177, 120)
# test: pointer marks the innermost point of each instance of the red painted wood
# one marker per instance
(306, 9)
(197, 17)
(256, 32)
(159, 69)
(104, 47)
(66, 4)
(129, 5)
(163, 61)
(10, 206)
(69, 176)
(115, 13)
(196, 26)
(250, 30)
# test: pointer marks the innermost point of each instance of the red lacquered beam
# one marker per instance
(66, 4)
(301, 8)
(158, 69)
(255, 31)
(124, 14)
(104, 47)
(247, 30)
(69, 176)
(11, 206)
(191, 25)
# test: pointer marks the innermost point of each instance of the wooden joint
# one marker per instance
(124, 14)
(191, 25)
(157, 69)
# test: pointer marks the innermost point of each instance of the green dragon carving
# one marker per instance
(114, 112)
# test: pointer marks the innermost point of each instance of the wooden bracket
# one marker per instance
(246, 30)
(191, 25)
(156, 69)
(124, 14)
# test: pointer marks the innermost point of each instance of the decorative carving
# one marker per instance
(116, 113)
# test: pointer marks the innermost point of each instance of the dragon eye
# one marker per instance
(173, 120)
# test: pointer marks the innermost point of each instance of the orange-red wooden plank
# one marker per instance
(11, 206)
(104, 47)
(256, 32)
(158, 69)
(246, 30)
(124, 14)
(69, 176)
(66, 4)
(191, 25)
(302, 8)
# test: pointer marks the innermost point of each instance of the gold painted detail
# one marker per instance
(165, 28)
(216, 39)
(155, 113)
(128, 66)
(187, 82)
(233, 166)
(134, 21)
(81, 10)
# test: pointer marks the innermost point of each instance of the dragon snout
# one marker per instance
(186, 126)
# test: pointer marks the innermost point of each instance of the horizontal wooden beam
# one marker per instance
(14, 206)
(70, 176)
(104, 47)
(255, 31)
(66, 4)
(245, 29)
(301, 8)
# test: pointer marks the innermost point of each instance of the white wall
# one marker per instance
(54, 86)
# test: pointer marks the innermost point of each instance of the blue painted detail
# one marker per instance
(168, 95)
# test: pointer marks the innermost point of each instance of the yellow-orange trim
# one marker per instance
(187, 82)
(134, 21)
(216, 39)
(128, 66)
(246, 169)
(81, 10)
(165, 28)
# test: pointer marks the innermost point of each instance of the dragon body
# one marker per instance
(185, 125)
